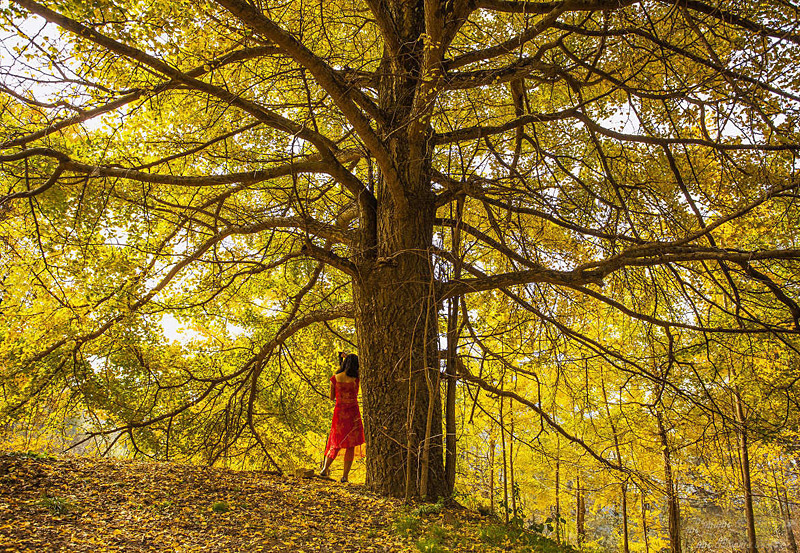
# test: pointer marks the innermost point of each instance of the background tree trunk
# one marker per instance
(450, 404)
(580, 512)
(625, 539)
(511, 458)
(673, 507)
(452, 349)
(558, 498)
(644, 521)
(505, 457)
(624, 483)
(744, 456)
(783, 508)
(492, 446)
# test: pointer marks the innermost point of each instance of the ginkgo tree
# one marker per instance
(279, 167)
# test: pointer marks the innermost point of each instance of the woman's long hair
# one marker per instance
(348, 364)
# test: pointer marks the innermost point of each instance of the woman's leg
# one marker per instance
(349, 453)
(326, 468)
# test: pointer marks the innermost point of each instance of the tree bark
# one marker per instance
(393, 280)
(388, 309)
(744, 456)
(580, 512)
(505, 457)
(452, 348)
(673, 507)
(397, 348)
(558, 499)
(492, 446)
(511, 458)
(644, 522)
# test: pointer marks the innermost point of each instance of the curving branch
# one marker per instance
(486, 239)
(311, 164)
(526, 7)
(481, 131)
(472, 188)
(594, 272)
(635, 31)
(211, 384)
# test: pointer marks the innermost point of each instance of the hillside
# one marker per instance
(91, 504)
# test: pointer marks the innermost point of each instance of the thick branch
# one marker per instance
(473, 189)
(323, 144)
(595, 272)
(260, 113)
(514, 6)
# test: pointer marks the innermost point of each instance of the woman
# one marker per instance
(347, 430)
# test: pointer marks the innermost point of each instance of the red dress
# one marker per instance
(347, 430)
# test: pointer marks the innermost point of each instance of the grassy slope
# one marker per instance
(89, 504)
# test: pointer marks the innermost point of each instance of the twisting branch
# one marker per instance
(311, 164)
(525, 7)
(297, 324)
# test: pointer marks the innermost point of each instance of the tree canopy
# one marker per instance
(571, 223)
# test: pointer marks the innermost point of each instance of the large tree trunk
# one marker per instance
(395, 307)
(391, 310)
(395, 312)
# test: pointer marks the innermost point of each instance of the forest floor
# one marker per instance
(86, 504)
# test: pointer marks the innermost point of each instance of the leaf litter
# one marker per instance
(87, 504)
